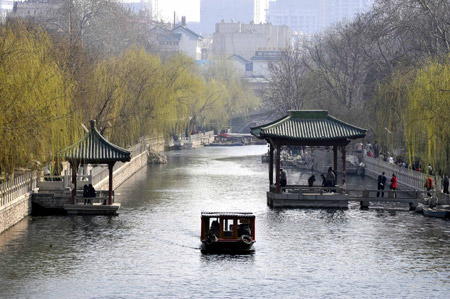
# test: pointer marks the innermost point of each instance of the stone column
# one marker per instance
(343, 165)
(270, 165)
(74, 166)
(110, 185)
(277, 170)
(335, 162)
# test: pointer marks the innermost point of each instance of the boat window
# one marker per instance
(227, 227)
(244, 227)
(213, 226)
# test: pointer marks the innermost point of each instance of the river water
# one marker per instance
(152, 249)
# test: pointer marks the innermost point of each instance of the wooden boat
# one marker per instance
(227, 232)
(439, 213)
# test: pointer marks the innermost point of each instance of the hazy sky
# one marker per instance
(188, 8)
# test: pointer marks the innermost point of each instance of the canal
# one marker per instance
(151, 249)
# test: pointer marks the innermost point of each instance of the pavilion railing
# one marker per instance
(304, 189)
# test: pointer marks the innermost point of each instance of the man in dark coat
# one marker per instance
(381, 184)
(445, 184)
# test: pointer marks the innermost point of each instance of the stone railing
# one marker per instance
(17, 187)
(196, 140)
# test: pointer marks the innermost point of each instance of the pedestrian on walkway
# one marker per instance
(394, 184)
(381, 184)
(428, 185)
(445, 184)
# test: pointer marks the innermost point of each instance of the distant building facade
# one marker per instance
(180, 39)
(311, 16)
(190, 43)
(6, 6)
(245, 39)
(38, 9)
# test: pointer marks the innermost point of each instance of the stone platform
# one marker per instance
(93, 209)
(308, 200)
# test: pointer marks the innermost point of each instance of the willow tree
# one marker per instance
(239, 98)
(390, 103)
(184, 89)
(429, 114)
(37, 119)
(130, 97)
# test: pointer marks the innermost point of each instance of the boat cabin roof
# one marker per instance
(228, 214)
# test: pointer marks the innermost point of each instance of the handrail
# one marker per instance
(17, 187)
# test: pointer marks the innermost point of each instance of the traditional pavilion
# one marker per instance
(93, 148)
(313, 128)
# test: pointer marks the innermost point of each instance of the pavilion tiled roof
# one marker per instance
(308, 125)
(93, 148)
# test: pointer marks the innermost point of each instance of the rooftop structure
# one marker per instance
(309, 128)
(306, 128)
(93, 148)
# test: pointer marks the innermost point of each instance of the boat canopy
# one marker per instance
(228, 214)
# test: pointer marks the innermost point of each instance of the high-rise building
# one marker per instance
(311, 16)
(214, 11)
(261, 7)
(5, 7)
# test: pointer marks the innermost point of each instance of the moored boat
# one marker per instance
(439, 213)
(227, 232)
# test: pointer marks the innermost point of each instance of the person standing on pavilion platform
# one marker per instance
(446, 184)
(283, 178)
(331, 178)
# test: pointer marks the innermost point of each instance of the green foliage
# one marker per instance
(48, 86)
(414, 104)
(36, 119)
(429, 114)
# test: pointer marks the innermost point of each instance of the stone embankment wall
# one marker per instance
(15, 199)
(121, 174)
(15, 211)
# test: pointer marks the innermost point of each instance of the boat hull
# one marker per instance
(436, 213)
(231, 247)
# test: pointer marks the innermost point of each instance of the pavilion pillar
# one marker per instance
(270, 165)
(74, 166)
(278, 168)
(343, 164)
(110, 185)
(335, 162)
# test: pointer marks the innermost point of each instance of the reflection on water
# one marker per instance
(152, 248)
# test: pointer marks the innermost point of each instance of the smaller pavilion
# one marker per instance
(93, 148)
(313, 128)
